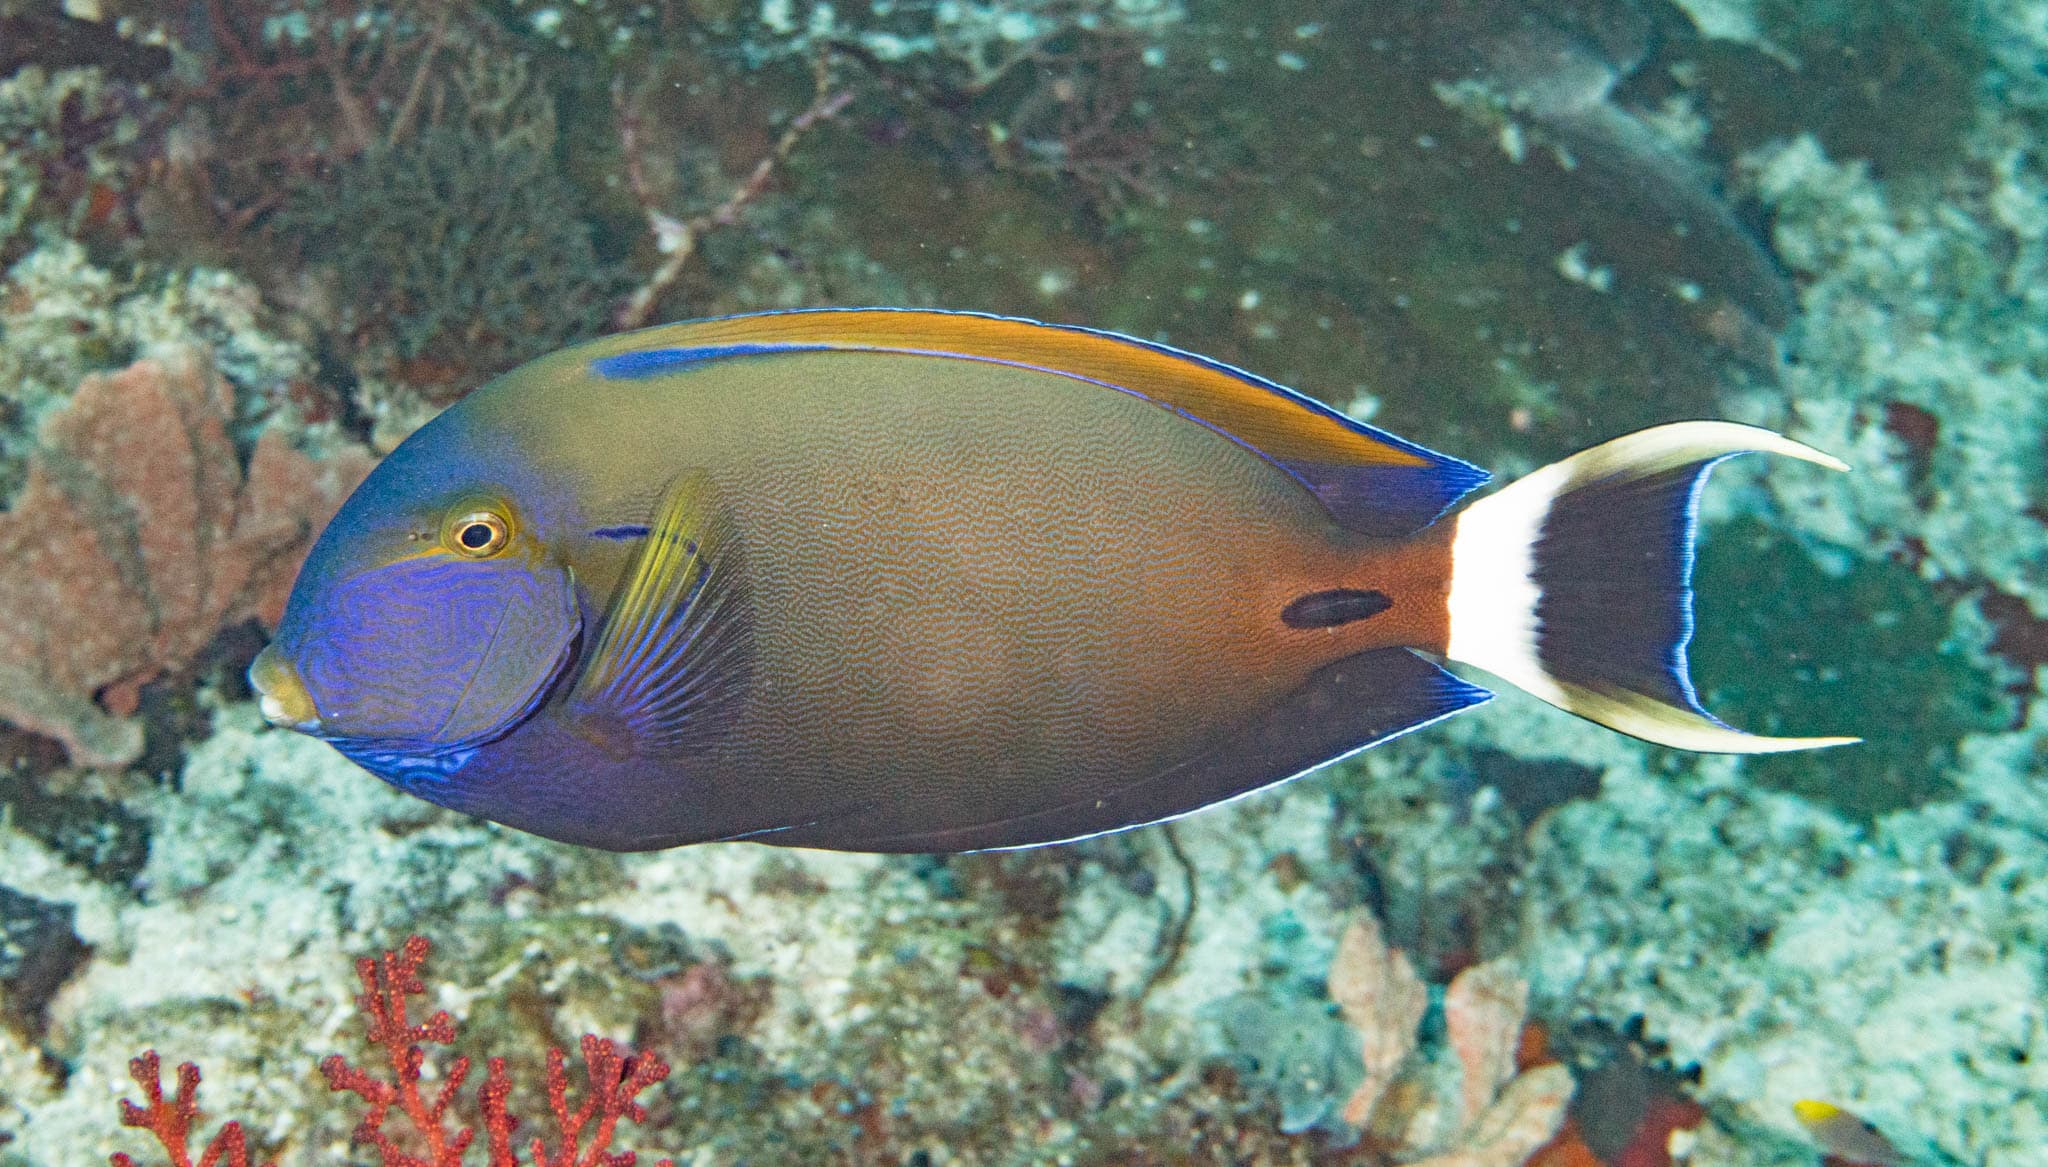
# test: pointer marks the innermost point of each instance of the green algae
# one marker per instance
(1787, 647)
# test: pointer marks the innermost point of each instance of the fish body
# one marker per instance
(880, 580)
(1851, 1140)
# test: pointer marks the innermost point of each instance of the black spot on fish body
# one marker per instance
(1329, 609)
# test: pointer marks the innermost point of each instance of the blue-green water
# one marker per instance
(1507, 230)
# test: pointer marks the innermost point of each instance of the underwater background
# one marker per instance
(249, 245)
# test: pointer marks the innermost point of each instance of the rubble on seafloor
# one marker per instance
(1757, 933)
(892, 1000)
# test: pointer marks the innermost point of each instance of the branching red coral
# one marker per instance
(386, 986)
(170, 1120)
(613, 1082)
(137, 536)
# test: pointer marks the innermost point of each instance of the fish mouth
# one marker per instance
(281, 694)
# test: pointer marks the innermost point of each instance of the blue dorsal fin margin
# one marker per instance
(1368, 498)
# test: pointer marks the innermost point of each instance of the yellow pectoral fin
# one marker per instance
(673, 652)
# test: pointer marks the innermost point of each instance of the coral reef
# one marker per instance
(139, 535)
(1875, 943)
(977, 1006)
(1768, 947)
(1493, 1116)
(170, 1120)
(63, 317)
(1503, 227)
(612, 1083)
(1957, 499)
(1790, 955)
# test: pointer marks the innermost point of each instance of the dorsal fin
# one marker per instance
(673, 652)
(1371, 481)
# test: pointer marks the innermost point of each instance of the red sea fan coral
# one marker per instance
(583, 1136)
(138, 535)
(171, 1120)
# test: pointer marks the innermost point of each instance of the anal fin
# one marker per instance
(674, 651)
(1343, 708)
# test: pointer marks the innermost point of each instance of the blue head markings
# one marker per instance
(432, 615)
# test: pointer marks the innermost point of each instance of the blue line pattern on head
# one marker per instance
(432, 654)
(629, 531)
(413, 770)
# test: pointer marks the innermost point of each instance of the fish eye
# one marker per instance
(478, 534)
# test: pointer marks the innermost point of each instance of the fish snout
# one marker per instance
(281, 693)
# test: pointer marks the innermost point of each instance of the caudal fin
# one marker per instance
(1575, 583)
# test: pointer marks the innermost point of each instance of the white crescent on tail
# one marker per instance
(1524, 593)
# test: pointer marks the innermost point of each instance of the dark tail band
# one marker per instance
(1575, 583)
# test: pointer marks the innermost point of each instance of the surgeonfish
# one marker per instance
(891, 580)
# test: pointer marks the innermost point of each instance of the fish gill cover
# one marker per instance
(1504, 228)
